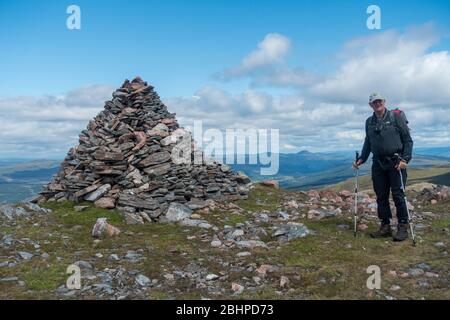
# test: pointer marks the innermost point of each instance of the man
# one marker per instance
(387, 133)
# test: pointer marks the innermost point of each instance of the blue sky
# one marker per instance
(177, 45)
(181, 47)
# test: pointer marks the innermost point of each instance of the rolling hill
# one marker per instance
(303, 170)
(436, 175)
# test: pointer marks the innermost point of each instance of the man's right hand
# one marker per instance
(356, 164)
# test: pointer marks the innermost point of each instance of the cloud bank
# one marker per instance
(318, 112)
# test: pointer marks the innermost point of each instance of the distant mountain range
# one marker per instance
(305, 170)
(21, 179)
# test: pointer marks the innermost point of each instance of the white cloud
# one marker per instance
(400, 66)
(271, 50)
(282, 76)
(90, 96)
(266, 65)
(256, 101)
(47, 126)
(403, 66)
(325, 113)
(300, 122)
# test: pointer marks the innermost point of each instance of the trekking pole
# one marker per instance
(411, 229)
(356, 195)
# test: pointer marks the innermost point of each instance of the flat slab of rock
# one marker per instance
(250, 244)
(107, 156)
(242, 178)
(80, 208)
(25, 255)
(85, 191)
(135, 202)
(155, 158)
(95, 195)
(177, 212)
(142, 280)
(157, 170)
(105, 203)
(196, 223)
(318, 214)
(291, 231)
(195, 204)
(175, 136)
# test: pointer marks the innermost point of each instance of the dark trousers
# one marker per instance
(385, 179)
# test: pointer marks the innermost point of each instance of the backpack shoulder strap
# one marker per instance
(401, 114)
(392, 117)
(371, 119)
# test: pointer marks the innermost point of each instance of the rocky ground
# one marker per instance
(276, 244)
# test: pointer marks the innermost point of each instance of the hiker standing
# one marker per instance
(387, 133)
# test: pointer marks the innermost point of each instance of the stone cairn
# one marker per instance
(125, 160)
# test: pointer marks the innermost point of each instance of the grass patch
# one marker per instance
(261, 197)
(66, 214)
(331, 264)
(44, 277)
(441, 223)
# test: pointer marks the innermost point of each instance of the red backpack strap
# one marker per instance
(400, 113)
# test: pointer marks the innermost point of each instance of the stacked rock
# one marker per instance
(134, 156)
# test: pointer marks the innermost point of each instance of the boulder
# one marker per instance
(105, 203)
(102, 228)
(177, 212)
(270, 183)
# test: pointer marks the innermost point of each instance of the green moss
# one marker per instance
(267, 293)
(44, 278)
(157, 294)
(261, 197)
(233, 219)
(441, 223)
(66, 214)
(320, 266)
(432, 174)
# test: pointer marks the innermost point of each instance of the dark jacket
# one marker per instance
(384, 137)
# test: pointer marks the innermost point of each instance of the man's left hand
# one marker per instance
(401, 165)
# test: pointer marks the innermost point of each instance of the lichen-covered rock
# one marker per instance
(102, 228)
(178, 212)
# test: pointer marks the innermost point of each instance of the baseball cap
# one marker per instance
(375, 96)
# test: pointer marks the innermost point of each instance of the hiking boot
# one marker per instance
(384, 231)
(402, 232)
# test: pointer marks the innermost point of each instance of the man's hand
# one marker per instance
(356, 164)
(401, 165)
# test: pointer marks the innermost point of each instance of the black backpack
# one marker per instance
(400, 113)
(394, 119)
